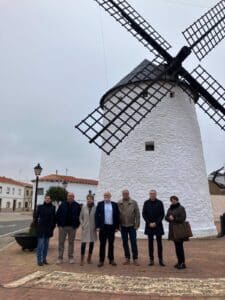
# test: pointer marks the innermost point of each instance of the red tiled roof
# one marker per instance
(69, 179)
(6, 180)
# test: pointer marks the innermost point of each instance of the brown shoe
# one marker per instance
(126, 262)
(136, 263)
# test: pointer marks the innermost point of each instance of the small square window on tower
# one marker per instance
(149, 146)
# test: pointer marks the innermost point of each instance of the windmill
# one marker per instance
(160, 97)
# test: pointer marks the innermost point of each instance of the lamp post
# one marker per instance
(37, 172)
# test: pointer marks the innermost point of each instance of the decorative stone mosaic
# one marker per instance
(123, 284)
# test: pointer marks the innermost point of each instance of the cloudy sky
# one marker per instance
(58, 57)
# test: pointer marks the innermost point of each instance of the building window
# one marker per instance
(8, 204)
(40, 191)
(13, 191)
(27, 192)
(0, 189)
(19, 191)
(7, 190)
(149, 146)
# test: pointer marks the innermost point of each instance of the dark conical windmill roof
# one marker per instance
(143, 72)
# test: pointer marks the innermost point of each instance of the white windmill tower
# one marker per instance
(164, 152)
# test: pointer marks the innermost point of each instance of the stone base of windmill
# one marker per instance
(197, 233)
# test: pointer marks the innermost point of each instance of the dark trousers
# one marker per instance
(83, 247)
(151, 246)
(179, 247)
(126, 233)
(106, 234)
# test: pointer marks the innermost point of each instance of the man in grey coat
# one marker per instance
(129, 223)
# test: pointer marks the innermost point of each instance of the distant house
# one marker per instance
(79, 186)
(217, 191)
(15, 195)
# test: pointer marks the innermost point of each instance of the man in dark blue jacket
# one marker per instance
(107, 221)
(153, 214)
(67, 219)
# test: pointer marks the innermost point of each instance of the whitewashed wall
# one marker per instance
(176, 167)
(10, 197)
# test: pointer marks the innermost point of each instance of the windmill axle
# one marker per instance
(176, 63)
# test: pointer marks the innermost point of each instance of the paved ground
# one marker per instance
(203, 279)
(11, 222)
(7, 227)
(15, 216)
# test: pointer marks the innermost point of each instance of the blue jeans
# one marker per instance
(129, 232)
(42, 249)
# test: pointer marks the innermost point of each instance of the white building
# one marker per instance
(79, 186)
(164, 152)
(15, 195)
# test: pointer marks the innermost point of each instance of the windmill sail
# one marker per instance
(125, 106)
(216, 90)
(204, 34)
(122, 11)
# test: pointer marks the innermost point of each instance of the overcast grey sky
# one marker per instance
(58, 57)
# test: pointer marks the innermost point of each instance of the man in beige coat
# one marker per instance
(129, 223)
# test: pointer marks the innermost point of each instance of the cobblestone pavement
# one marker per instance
(204, 277)
(122, 284)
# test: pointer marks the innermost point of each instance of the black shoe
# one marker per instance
(100, 264)
(181, 266)
(45, 262)
(176, 265)
(40, 264)
(113, 263)
(151, 262)
(161, 263)
(219, 235)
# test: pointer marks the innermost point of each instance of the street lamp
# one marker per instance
(37, 172)
(65, 183)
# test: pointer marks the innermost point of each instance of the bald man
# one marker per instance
(67, 219)
(107, 221)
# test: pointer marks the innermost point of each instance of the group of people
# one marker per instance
(106, 219)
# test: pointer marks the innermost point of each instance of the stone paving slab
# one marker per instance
(172, 287)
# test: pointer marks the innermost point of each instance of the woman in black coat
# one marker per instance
(45, 223)
(176, 214)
